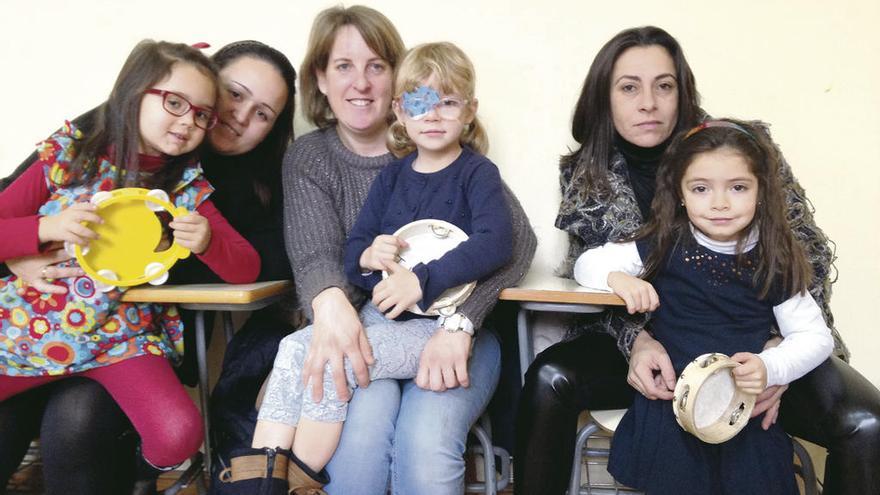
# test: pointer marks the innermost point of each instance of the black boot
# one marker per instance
(257, 471)
(146, 476)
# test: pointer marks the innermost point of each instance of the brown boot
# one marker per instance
(257, 472)
(302, 480)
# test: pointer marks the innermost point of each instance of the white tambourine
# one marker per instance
(429, 240)
(707, 402)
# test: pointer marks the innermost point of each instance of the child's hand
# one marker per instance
(751, 375)
(384, 248)
(192, 232)
(66, 225)
(639, 296)
(397, 292)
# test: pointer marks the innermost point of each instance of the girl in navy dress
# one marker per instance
(719, 268)
(442, 174)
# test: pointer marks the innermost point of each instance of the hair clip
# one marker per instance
(201, 45)
(717, 123)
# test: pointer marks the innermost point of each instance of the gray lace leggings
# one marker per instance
(396, 345)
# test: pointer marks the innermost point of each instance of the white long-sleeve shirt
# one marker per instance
(807, 340)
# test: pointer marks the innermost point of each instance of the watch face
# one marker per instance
(452, 323)
(457, 323)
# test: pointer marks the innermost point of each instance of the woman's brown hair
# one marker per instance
(378, 33)
(592, 125)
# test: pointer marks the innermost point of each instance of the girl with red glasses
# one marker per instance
(147, 134)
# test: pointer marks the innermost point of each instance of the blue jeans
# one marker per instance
(412, 440)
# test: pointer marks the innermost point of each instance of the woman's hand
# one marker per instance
(770, 399)
(751, 374)
(192, 232)
(67, 226)
(384, 248)
(337, 334)
(650, 369)
(36, 270)
(639, 296)
(444, 360)
(397, 292)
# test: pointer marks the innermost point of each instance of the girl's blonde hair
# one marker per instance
(455, 74)
(378, 33)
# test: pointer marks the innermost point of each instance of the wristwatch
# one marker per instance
(457, 322)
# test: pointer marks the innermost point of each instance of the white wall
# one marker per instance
(808, 67)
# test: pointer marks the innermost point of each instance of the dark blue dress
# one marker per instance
(708, 303)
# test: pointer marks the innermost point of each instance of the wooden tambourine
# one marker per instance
(707, 402)
(429, 240)
(123, 255)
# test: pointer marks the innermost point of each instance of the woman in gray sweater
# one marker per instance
(402, 432)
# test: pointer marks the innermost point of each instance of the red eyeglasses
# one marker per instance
(177, 105)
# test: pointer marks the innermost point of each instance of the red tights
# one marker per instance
(148, 391)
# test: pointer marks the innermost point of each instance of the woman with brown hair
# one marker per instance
(638, 93)
(403, 433)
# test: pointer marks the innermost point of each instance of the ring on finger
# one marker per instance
(43, 273)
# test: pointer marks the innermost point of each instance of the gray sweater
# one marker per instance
(325, 185)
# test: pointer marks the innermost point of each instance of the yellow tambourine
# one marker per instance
(123, 255)
(707, 402)
(428, 240)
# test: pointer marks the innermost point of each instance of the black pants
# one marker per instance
(833, 406)
(248, 360)
(87, 443)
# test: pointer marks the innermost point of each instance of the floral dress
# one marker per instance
(56, 334)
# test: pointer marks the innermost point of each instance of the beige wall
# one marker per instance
(807, 67)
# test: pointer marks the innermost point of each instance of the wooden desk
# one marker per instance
(237, 295)
(544, 292)
(223, 298)
(544, 287)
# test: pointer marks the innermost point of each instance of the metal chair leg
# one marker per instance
(525, 342)
(228, 328)
(192, 475)
(202, 359)
(574, 485)
(483, 431)
(806, 470)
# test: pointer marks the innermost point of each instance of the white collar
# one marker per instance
(724, 247)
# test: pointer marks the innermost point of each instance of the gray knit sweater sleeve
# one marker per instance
(485, 295)
(325, 186)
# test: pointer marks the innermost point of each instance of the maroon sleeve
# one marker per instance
(229, 255)
(19, 221)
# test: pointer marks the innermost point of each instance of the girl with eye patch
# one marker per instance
(402, 436)
(441, 174)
